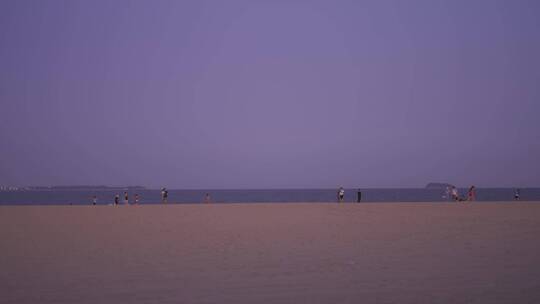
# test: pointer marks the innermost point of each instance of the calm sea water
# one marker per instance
(257, 196)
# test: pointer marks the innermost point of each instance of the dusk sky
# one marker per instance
(270, 94)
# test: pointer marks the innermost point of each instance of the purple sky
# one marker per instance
(270, 94)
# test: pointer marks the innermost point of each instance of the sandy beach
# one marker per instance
(271, 253)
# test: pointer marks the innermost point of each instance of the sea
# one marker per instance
(153, 196)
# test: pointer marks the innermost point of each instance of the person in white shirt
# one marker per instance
(341, 194)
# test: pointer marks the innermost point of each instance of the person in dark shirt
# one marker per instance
(472, 194)
(116, 199)
(164, 195)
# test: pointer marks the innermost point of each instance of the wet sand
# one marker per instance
(271, 253)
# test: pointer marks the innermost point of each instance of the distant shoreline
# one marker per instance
(78, 196)
(372, 203)
(71, 188)
(142, 188)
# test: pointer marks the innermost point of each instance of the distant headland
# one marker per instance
(438, 185)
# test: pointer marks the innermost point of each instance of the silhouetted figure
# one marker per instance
(164, 195)
(472, 194)
(116, 199)
(126, 198)
(358, 196)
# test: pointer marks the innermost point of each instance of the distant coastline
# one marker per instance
(438, 185)
(72, 188)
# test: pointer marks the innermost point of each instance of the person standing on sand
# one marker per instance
(164, 195)
(446, 194)
(126, 198)
(116, 199)
(94, 200)
(207, 198)
(455, 194)
(516, 194)
(136, 198)
(472, 194)
(341, 194)
(358, 196)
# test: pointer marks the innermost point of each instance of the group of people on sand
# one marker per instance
(453, 193)
(126, 199)
(135, 201)
(341, 195)
(164, 198)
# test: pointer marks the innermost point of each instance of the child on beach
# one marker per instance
(116, 199)
(126, 198)
(516, 195)
(94, 200)
(136, 198)
(207, 198)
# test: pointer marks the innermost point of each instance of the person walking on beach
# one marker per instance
(164, 195)
(126, 198)
(136, 198)
(516, 194)
(116, 199)
(358, 196)
(472, 194)
(94, 200)
(341, 194)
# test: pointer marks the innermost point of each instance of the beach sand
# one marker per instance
(271, 253)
